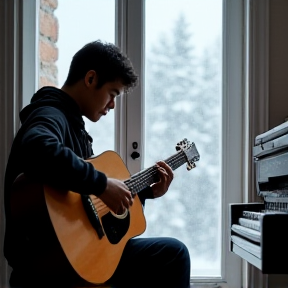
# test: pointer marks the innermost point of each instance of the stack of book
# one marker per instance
(248, 232)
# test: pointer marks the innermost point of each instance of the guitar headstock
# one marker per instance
(190, 151)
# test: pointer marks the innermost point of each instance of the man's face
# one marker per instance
(101, 100)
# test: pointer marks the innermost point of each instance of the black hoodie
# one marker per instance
(52, 143)
(49, 147)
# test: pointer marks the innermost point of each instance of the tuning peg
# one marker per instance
(183, 144)
(190, 166)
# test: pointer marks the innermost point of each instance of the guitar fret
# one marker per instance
(176, 161)
(148, 176)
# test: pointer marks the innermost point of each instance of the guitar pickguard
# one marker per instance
(115, 228)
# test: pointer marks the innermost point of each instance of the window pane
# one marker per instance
(81, 22)
(183, 100)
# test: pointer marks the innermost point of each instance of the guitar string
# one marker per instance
(101, 206)
(144, 178)
(148, 178)
(149, 173)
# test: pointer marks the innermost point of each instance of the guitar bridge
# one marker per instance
(92, 215)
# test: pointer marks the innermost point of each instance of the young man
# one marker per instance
(50, 148)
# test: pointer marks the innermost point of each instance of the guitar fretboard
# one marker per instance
(148, 176)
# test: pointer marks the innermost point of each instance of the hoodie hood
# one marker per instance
(54, 97)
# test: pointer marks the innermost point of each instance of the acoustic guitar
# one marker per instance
(91, 236)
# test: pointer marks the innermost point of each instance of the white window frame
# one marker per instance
(242, 62)
(130, 38)
(30, 50)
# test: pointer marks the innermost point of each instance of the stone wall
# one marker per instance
(48, 36)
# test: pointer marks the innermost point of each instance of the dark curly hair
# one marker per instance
(107, 61)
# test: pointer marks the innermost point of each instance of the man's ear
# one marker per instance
(91, 78)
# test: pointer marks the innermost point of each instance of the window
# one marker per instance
(218, 108)
(86, 21)
(182, 99)
(227, 94)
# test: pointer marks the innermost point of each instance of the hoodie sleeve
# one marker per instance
(146, 193)
(47, 158)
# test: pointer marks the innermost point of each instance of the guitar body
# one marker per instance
(92, 257)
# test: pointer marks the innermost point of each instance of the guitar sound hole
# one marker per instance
(115, 228)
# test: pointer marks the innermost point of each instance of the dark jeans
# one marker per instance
(160, 262)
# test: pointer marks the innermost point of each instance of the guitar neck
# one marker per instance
(148, 176)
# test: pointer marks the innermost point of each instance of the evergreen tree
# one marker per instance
(183, 102)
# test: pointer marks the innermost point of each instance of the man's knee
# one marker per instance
(178, 263)
(179, 249)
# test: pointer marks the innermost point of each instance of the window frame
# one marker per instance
(130, 38)
(232, 129)
(19, 25)
(30, 50)
(256, 110)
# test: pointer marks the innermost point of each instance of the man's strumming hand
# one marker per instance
(116, 196)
